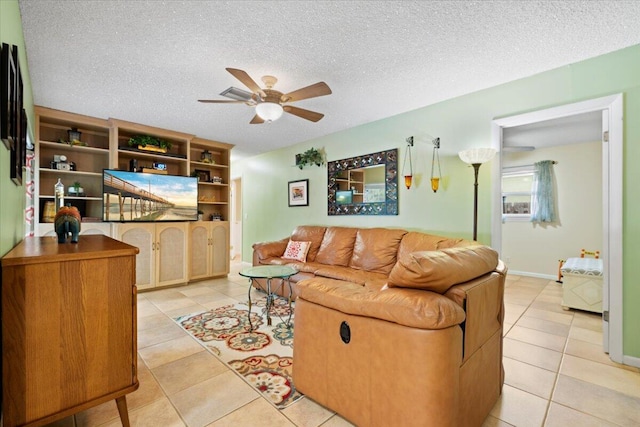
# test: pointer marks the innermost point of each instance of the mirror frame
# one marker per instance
(389, 159)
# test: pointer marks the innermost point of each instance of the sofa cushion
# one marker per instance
(439, 270)
(296, 250)
(410, 307)
(337, 246)
(375, 249)
(415, 241)
(348, 274)
(309, 233)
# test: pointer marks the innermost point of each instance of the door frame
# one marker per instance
(612, 179)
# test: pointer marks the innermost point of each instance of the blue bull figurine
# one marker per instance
(67, 222)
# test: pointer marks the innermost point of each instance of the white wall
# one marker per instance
(536, 249)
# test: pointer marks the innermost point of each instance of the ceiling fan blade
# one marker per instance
(256, 120)
(318, 89)
(305, 114)
(246, 80)
(220, 101)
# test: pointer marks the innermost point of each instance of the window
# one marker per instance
(516, 193)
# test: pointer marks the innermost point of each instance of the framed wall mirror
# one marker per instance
(364, 185)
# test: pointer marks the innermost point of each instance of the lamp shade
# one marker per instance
(269, 111)
(477, 155)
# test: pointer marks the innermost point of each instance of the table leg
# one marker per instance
(269, 301)
(121, 403)
(249, 297)
(290, 296)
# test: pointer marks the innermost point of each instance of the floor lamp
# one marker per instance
(475, 157)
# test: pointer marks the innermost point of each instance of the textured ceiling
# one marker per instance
(149, 61)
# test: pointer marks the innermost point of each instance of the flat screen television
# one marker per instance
(148, 197)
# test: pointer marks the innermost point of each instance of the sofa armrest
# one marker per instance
(409, 307)
(264, 250)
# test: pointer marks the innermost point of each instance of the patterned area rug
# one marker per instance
(263, 356)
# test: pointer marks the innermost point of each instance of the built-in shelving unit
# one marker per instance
(104, 144)
(175, 158)
(84, 163)
(209, 160)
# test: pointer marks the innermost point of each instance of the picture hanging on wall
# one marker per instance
(13, 125)
(299, 193)
(7, 78)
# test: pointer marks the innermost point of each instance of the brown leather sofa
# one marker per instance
(395, 327)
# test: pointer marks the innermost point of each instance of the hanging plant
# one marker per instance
(310, 157)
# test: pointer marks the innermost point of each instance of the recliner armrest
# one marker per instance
(409, 307)
(483, 302)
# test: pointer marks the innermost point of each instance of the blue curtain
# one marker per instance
(542, 196)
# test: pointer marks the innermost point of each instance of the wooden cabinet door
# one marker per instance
(199, 250)
(171, 253)
(219, 248)
(143, 237)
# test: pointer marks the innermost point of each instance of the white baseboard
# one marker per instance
(528, 274)
(631, 361)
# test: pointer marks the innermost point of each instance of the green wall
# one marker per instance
(12, 226)
(462, 122)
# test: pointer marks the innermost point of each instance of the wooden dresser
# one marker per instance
(68, 328)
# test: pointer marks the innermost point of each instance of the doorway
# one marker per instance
(612, 160)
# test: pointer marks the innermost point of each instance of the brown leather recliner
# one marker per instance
(404, 328)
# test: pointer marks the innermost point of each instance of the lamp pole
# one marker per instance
(476, 168)
(475, 157)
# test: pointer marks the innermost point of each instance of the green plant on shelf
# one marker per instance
(144, 140)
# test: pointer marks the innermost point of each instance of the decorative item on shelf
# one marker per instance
(435, 159)
(216, 216)
(153, 170)
(203, 175)
(74, 142)
(206, 157)
(475, 157)
(133, 165)
(58, 191)
(216, 180)
(150, 143)
(49, 212)
(76, 190)
(200, 215)
(61, 163)
(74, 136)
(310, 157)
(67, 221)
(160, 166)
(408, 177)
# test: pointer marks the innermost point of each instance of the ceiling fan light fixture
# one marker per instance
(269, 111)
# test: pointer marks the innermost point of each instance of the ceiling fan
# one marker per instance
(268, 102)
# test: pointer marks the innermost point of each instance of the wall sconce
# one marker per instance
(475, 157)
(408, 177)
(435, 159)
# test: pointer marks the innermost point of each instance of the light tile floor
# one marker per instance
(556, 372)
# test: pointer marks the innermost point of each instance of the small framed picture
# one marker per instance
(299, 193)
(203, 175)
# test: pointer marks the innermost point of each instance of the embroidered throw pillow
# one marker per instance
(296, 251)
